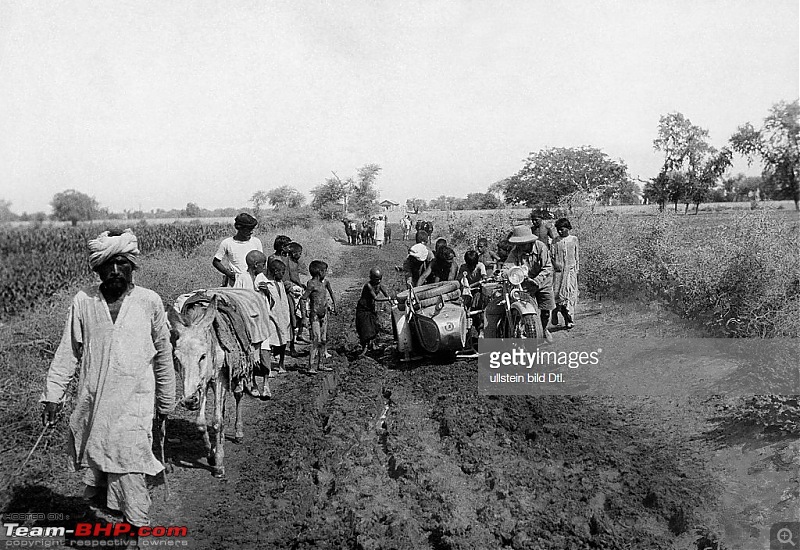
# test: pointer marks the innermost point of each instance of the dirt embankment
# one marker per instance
(379, 454)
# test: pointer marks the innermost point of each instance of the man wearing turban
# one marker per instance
(116, 332)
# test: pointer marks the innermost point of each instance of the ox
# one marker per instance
(201, 360)
(351, 230)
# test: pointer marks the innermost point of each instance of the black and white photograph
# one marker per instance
(368, 275)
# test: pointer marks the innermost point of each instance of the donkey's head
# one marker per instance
(193, 347)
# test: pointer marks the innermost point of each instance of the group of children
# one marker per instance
(290, 302)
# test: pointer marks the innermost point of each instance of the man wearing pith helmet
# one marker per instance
(116, 333)
(532, 253)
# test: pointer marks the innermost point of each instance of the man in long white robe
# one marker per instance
(117, 333)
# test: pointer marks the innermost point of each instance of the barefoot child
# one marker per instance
(366, 313)
(488, 258)
(317, 291)
(294, 289)
(280, 323)
(256, 265)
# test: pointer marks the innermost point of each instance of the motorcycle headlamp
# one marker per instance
(516, 275)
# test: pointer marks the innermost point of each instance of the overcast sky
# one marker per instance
(156, 104)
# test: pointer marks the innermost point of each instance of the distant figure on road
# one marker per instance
(380, 228)
(405, 224)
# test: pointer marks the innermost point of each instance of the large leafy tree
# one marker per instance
(777, 144)
(563, 175)
(73, 206)
(687, 151)
(327, 197)
(365, 191)
(259, 199)
(285, 196)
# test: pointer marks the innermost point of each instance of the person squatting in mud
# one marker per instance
(117, 336)
(230, 257)
(367, 324)
(317, 291)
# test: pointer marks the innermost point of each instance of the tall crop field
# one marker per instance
(38, 261)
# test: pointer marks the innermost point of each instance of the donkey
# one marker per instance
(201, 359)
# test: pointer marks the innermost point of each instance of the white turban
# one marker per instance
(419, 252)
(105, 246)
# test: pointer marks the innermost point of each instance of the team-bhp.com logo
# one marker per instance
(92, 534)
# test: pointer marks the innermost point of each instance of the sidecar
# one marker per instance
(430, 319)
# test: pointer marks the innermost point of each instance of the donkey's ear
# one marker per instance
(209, 315)
(176, 321)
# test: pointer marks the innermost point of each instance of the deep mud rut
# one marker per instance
(379, 454)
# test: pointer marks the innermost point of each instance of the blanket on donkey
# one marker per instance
(240, 325)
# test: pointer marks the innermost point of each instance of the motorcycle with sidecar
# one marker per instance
(433, 319)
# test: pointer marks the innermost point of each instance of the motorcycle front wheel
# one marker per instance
(527, 326)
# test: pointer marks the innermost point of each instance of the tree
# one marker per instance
(625, 191)
(73, 205)
(553, 175)
(259, 199)
(738, 188)
(710, 173)
(687, 152)
(657, 190)
(777, 144)
(6, 215)
(365, 192)
(416, 205)
(481, 201)
(330, 192)
(285, 196)
(192, 210)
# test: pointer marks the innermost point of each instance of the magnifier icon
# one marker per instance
(784, 536)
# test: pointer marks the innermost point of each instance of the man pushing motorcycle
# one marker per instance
(533, 254)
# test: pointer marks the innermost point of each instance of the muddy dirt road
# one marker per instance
(380, 455)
